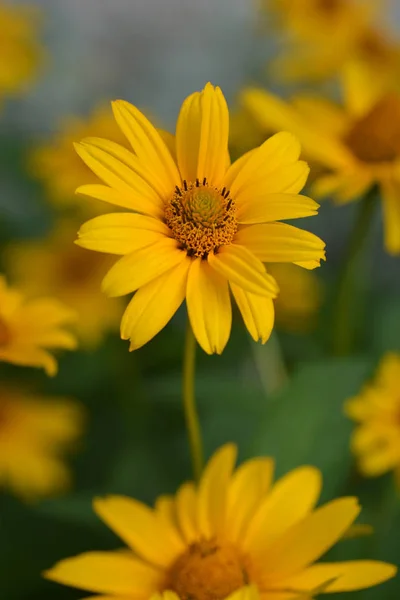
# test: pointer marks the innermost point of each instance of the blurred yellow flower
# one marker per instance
(58, 166)
(245, 132)
(376, 439)
(55, 266)
(35, 433)
(198, 227)
(300, 296)
(235, 529)
(357, 144)
(29, 328)
(19, 47)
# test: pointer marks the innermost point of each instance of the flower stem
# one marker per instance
(189, 403)
(343, 325)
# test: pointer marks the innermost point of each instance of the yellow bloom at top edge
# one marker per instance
(19, 47)
(29, 328)
(35, 433)
(357, 144)
(198, 228)
(236, 535)
(376, 410)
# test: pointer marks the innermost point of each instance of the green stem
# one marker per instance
(343, 324)
(189, 403)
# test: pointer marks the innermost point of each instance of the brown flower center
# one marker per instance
(376, 137)
(201, 218)
(77, 266)
(329, 6)
(208, 570)
(5, 333)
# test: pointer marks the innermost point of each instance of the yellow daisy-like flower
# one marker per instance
(300, 296)
(57, 267)
(199, 227)
(376, 439)
(29, 328)
(19, 47)
(357, 144)
(235, 529)
(58, 166)
(35, 433)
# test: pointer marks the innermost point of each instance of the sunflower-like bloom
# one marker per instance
(20, 49)
(29, 328)
(300, 296)
(35, 434)
(356, 144)
(55, 266)
(376, 439)
(235, 529)
(199, 227)
(58, 166)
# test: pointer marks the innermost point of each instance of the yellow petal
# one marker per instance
(287, 179)
(127, 199)
(121, 233)
(279, 242)
(290, 500)
(30, 357)
(55, 338)
(236, 167)
(120, 170)
(258, 313)
(170, 141)
(142, 266)
(202, 136)
(391, 217)
(165, 509)
(186, 505)
(346, 576)
(249, 592)
(149, 536)
(154, 305)
(239, 265)
(148, 145)
(307, 540)
(248, 487)
(380, 460)
(275, 207)
(213, 492)
(106, 572)
(209, 307)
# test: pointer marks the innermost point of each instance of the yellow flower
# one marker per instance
(245, 132)
(299, 297)
(235, 529)
(357, 144)
(376, 439)
(19, 47)
(57, 267)
(35, 432)
(28, 328)
(199, 228)
(58, 166)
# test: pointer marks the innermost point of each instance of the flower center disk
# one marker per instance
(208, 570)
(201, 218)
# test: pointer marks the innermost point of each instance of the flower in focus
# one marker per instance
(235, 529)
(58, 166)
(376, 439)
(19, 47)
(199, 228)
(35, 433)
(299, 298)
(29, 328)
(57, 267)
(357, 144)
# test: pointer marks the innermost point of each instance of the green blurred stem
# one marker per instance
(343, 318)
(189, 403)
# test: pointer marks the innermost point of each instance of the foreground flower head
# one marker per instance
(58, 166)
(29, 328)
(55, 266)
(357, 144)
(20, 49)
(35, 433)
(376, 439)
(199, 229)
(235, 529)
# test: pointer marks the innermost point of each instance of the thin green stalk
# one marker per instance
(189, 403)
(343, 318)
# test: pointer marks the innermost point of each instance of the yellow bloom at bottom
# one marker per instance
(34, 434)
(235, 529)
(376, 439)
